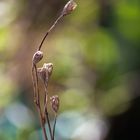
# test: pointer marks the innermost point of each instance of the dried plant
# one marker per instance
(44, 74)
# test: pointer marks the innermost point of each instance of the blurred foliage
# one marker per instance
(95, 52)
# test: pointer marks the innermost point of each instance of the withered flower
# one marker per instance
(69, 7)
(45, 72)
(48, 67)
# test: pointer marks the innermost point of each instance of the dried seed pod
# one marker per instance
(69, 7)
(42, 73)
(49, 67)
(37, 57)
(55, 103)
(45, 72)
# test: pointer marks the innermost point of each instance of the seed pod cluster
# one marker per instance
(44, 74)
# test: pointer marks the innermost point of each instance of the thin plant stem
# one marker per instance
(50, 29)
(54, 125)
(46, 112)
(37, 88)
(37, 99)
(46, 94)
(34, 84)
(42, 122)
(43, 114)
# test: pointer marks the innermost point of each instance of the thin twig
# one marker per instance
(46, 112)
(68, 8)
(34, 84)
(54, 125)
(37, 88)
(42, 123)
(37, 96)
(50, 29)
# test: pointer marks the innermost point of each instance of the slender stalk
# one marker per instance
(37, 88)
(46, 94)
(43, 114)
(50, 29)
(34, 84)
(42, 123)
(46, 112)
(54, 125)
(37, 100)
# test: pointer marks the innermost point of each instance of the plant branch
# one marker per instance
(34, 84)
(38, 55)
(42, 122)
(46, 112)
(54, 125)
(50, 29)
(37, 88)
(37, 99)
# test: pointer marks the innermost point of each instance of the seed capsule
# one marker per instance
(45, 72)
(69, 7)
(37, 57)
(48, 67)
(55, 103)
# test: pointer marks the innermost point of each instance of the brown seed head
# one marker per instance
(37, 57)
(55, 103)
(69, 7)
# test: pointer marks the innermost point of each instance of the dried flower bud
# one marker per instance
(42, 74)
(49, 67)
(69, 7)
(45, 72)
(37, 57)
(55, 103)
